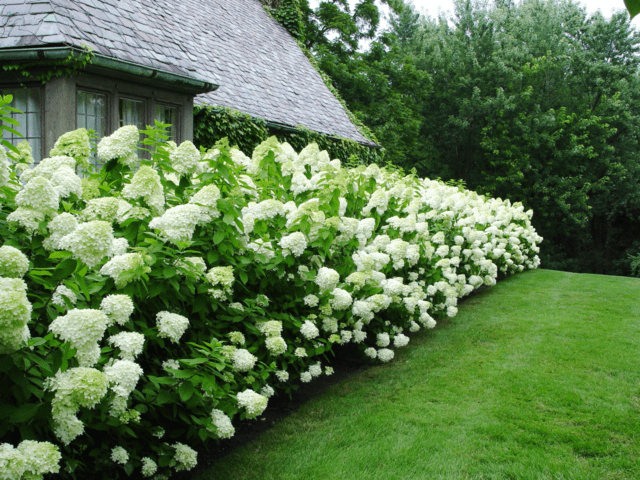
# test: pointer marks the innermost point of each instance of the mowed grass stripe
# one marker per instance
(536, 378)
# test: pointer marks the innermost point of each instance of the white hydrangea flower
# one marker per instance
(341, 299)
(119, 455)
(104, 209)
(41, 457)
(272, 328)
(382, 339)
(13, 263)
(118, 308)
(83, 329)
(330, 324)
(90, 242)
(267, 391)
(172, 364)
(125, 268)
(129, 343)
(385, 355)
(305, 377)
(149, 467)
(59, 293)
(371, 352)
(146, 184)
(243, 360)
(252, 402)
(311, 300)
(15, 312)
(315, 370)
(294, 244)
(74, 388)
(224, 427)
(171, 325)
(222, 276)
(365, 230)
(400, 340)
(193, 266)
(123, 376)
(27, 218)
(276, 345)
(327, 279)
(62, 225)
(237, 338)
(38, 194)
(5, 171)
(282, 375)
(66, 182)
(207, 198)
(300, 352)
(178, 223)
(309, 330)
(186, 457)
(121, 144)
(13, 463)
(185, 158)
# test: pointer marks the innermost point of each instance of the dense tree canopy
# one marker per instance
(533, 100)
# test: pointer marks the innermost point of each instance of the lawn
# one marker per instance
(535, 378)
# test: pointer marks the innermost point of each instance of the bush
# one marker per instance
(149, 304)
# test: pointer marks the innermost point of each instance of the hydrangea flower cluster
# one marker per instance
(347, 256)
(15, 312)
(31, 460)
(253, 403)
(171, 325)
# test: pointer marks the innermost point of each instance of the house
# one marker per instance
(155, 59)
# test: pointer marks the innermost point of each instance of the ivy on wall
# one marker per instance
(212, 123)
(288, 14)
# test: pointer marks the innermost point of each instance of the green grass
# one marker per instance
(536, 378)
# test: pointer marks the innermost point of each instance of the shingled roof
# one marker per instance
(231, 43)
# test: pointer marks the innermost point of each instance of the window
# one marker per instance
(28, 101)
(131, 112)
(167, 114)
(92, 112)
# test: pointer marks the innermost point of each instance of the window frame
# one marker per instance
(107, 119)
(149, 96)
(42, 93)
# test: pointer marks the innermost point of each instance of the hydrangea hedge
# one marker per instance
(147, 305)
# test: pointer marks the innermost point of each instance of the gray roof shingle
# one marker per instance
(232, 43)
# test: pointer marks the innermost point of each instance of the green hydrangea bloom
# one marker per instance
(74, 144)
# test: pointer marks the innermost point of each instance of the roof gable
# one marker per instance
(233, 43)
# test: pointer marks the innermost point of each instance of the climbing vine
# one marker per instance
(29, 71)
(212, 123)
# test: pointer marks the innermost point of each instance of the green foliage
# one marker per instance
(530, 100)
(633, 6)
(45, 71)
(245, 132)
(524, 384)
(238, 253)
(288, 14)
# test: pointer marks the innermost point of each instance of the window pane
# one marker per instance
(92, 114)
(167, 114)
(131, 113)
(29, 101)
